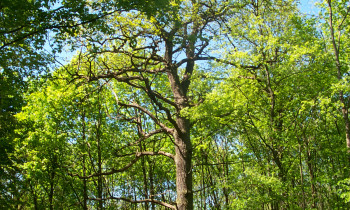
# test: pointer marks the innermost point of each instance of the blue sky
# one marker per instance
(308, 7)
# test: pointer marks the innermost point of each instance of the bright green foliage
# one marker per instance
(335, 27)
(257, 82)
(72, 124)
(275, 103)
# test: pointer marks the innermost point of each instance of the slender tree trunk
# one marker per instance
(312, 176)
(99, 181)
(35, 199)
(52, 176)
(85, 196)
(302, 177)
(225, 190)
(145, 183)
(345, 106)
(99, 154)
(151, 183)
(203, 193)
(84, 186)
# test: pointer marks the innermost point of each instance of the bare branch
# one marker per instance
(216, 164)
(145, 136)
(169, 155)
(154, 118)
(110, 75)
(137, 201)
(219, 60)
(144, 153)
(113, 171)
(252, 78)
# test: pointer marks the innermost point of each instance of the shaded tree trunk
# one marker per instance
(35, 199)
(312, 176)
(52, 177)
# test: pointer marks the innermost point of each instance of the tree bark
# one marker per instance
(183, 145)
(183, 157)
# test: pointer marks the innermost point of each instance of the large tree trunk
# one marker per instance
(183, 145)
(183, 157)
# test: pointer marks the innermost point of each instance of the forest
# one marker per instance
(174, 104)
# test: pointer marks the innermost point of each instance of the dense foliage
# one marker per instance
(174, 104)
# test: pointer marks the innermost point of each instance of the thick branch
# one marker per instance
(219, 60)
(153, 95)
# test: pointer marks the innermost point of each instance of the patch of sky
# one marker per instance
(308, 7)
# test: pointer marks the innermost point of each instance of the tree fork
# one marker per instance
(181, 134)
